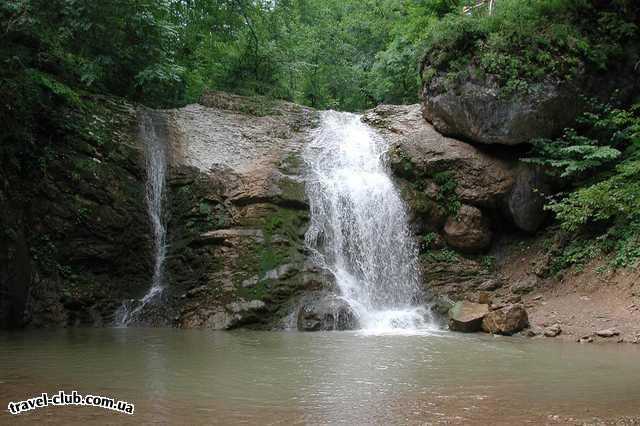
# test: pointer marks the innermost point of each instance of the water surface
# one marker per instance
(244, 377)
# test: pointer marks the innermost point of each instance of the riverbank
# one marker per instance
(590, 303)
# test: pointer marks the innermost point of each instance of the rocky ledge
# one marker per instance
(238, 212)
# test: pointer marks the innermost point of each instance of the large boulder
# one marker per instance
(418, 151)
(475, 110)
(439, 170)
(467, 316)
(325, 311)
(468, 231)
(507, 320)
(526, 199)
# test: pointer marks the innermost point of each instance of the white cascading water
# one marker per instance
(359, 230)
(155, 151)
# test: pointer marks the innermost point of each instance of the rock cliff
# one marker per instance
(238, 211)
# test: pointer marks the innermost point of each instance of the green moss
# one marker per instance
(260, 257)
(447, 196)
(444, 255)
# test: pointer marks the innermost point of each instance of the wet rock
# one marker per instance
(533, 332)
(507, 321)
(324, 311)
(609, 332)
(238, 210)
(441, 304)
(467, 316)
(468, 231)
(553, 330)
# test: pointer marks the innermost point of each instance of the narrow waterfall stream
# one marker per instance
(359, 230)
(155, 152)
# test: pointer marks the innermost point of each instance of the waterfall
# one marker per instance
(155, 154)
(359, 230)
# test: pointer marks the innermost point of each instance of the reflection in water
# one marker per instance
(202, 377)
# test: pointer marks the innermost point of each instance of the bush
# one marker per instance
(601, 161)
(524, 43)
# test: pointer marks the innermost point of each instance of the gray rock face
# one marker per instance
(507, 320)
(468, 231)
(609, 332)
(325, 311)
(526, 285)
(419, 151)
(553, 330)
(525, 202)
(475, 110)
(238, 210)
(467, 316)
(481, 179)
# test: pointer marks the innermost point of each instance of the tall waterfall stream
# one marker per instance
(359, 230)
(155, 152)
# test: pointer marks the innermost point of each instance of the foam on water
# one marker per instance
(155, 150)
(359, 230)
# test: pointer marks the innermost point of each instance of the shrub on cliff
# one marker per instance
(601, 161)
(526, 42)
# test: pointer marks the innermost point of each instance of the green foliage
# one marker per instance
(56, 55)
(488, 263)
(444, 256)
(602, 160)
(447, 196)
(599, 141)
(578, 253)
(524, 43)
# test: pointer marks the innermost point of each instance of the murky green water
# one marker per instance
(204, 377)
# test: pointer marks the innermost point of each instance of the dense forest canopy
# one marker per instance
(345, 54)
(58, 55)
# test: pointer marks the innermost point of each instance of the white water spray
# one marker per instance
(359, 230)
(155, 151)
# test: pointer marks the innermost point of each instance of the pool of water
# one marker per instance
(245, 377)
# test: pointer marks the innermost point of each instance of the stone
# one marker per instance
(325, 311)
(481, 177)
(418, 150)
(507, 321)
(467, 316)
(585, 339)
(526, 200)
(553, 330)
(441, 304)
(609, 332)
(490, 285)
(475, 110)
(239, 307)
(484, 298)
(524, 286)
(468, 231)
(238, 210)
